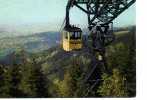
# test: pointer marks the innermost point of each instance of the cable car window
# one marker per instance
(76, 35)
(72, 35)
(79, 35)
(66, 35)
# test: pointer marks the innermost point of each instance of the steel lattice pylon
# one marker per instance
(100, 14)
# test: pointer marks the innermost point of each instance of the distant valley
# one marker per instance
(30, 43)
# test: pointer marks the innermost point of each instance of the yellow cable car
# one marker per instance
(72, 39)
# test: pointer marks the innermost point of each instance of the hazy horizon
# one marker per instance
(31, 16)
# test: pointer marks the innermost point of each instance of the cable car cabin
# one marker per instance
(72, 39)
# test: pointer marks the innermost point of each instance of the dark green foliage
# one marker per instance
(2, 91)
(77, 74)
(131, 71)
(118, 56)
(113, 85)
(72, 85)
(65, 87)
(122, 56)
(23, 80)
(34, 82)
(6, 84)
(14, 79)
(11, 80)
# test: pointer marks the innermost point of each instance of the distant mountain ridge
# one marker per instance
(36, 42)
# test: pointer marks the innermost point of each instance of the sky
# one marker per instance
(47, 15)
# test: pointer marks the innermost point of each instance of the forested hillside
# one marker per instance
(56, 73)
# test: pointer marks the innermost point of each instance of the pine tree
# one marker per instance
(65, 86)
(118, 57)
(12, 78)
(6, 84)
(2, 81)
(131, 70)
(76, 74)
(71, 85)
(25, 84)
(41, 82)
(113, 86)
(34, 83)
(16, 74)
(123, 57)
